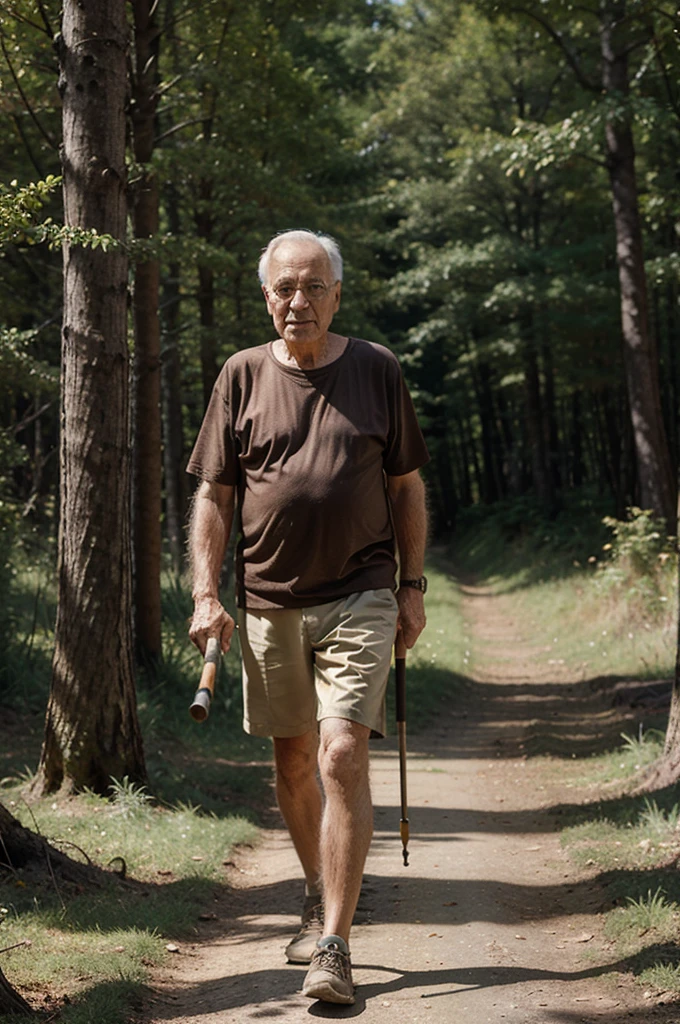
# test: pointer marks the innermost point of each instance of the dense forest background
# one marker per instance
(502, 178)
(460, 160)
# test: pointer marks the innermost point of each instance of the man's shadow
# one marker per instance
(467, 979)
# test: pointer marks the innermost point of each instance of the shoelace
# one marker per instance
(328, 956)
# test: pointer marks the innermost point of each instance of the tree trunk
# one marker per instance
(205, 223)
(91, 728)
(146, 476)
(206, 309)
(174, 477)
(666, 771)
(577, 473)
(481, 379)
(11, 1003)
(551, 430)
(657, 486)
(542, 479)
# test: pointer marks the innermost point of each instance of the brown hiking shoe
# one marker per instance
(330, 975)
(301, 949)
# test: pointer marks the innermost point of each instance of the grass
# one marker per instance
(600, 617)
(593, 621)
(575, 591)
(209, 787)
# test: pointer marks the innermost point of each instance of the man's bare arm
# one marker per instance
(409, 511)
(211, 518)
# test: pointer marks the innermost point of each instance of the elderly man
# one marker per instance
(313, 439)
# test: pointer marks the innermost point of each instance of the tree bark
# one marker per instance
(540, 470)
(91, 728)
(11, 1003)
(657, 486)
(174, 477)
(491, 485)
(666, 771)
(146, 475)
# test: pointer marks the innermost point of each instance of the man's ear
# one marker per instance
(266, 299)
(338, 292)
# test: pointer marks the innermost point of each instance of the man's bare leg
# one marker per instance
(299, 799)
(347, 823)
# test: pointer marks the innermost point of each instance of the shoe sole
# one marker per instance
(298, 959)
(324, 991)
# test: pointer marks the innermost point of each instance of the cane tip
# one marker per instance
(405, 853)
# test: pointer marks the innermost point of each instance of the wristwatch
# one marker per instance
(419, 584)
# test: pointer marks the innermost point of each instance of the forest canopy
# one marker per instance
(459, 153)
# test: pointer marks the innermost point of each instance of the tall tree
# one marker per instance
(146, 448)
(91, 729)
(622, 28)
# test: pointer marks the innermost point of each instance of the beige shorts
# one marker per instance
(301, 665)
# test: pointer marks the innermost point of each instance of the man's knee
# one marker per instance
(343, 752)
(295, 758)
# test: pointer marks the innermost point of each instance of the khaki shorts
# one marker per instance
(301, 665)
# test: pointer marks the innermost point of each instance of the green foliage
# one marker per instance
(20, 206)
(643, 749)
(640, 546)
(657, 820)
(652, 911)
(129, 799)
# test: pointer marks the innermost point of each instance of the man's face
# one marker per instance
(301, 295)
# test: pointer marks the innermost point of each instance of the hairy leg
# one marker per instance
(299, 798)
(347, 824)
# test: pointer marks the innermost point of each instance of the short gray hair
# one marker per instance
(325, 241)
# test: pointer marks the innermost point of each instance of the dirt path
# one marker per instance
(489, 923)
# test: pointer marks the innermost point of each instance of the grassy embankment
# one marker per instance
(602, 609)
(209, 787)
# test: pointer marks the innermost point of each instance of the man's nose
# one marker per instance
(299, 300)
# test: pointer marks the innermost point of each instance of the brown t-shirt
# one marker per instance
(308, 451)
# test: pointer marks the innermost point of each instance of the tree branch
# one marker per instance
(46, 20)
(23, 20)
(556, 36)
(27, 420)
(673, 100)
(177, 128)
(24, 98)
(27, 146)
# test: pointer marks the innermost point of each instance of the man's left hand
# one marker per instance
(412, 619)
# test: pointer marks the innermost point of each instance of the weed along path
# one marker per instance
(490, 922)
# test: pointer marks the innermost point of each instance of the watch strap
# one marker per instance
(418, 584)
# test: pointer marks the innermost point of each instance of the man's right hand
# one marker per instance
(210, 619)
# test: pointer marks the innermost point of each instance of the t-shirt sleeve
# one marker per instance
(406, 449)
(214, 457)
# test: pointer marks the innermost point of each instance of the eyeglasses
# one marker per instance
(313, 292)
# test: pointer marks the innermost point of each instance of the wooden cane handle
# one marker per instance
(205, 692)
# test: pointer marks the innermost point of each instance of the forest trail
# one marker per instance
(489, 923)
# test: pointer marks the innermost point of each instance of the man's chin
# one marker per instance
(300, 332)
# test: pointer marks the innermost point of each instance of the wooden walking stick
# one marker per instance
(200, 707)
(400, 676)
